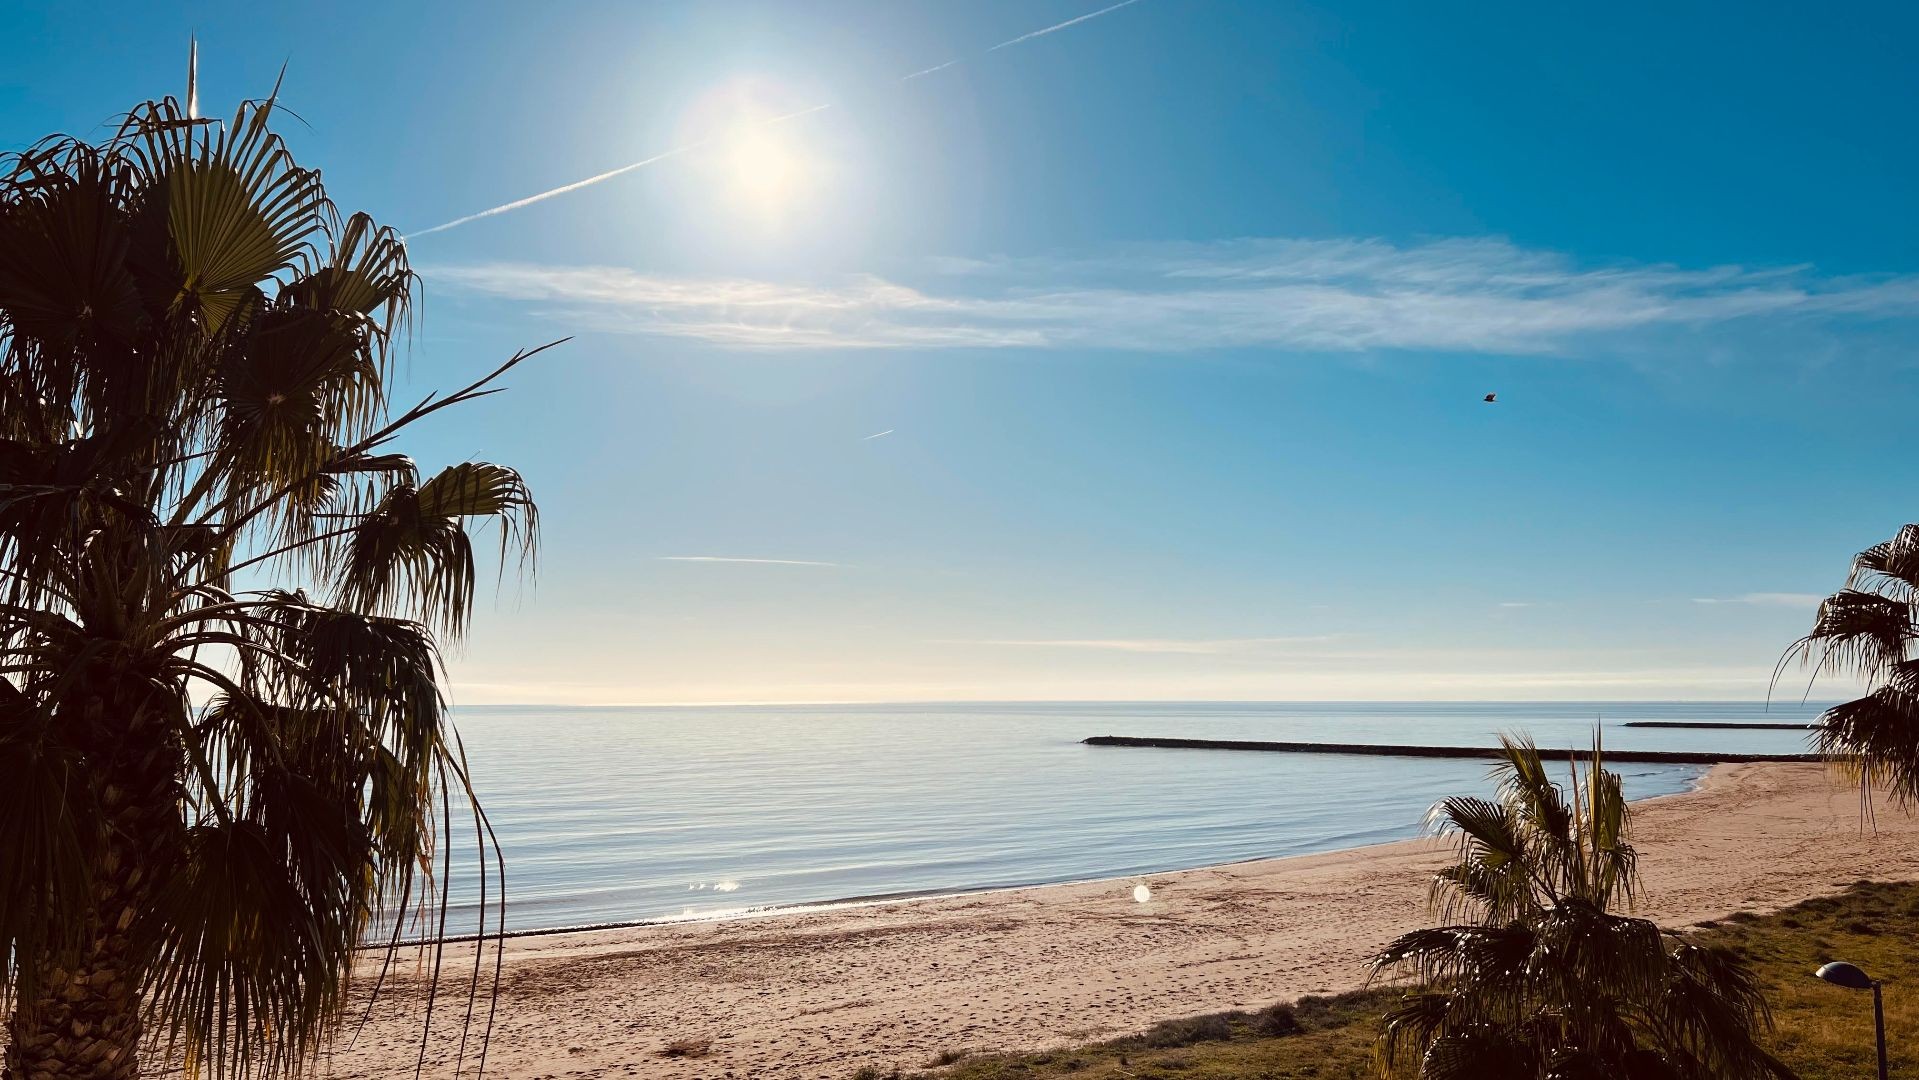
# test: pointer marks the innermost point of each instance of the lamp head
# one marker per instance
(1840, 973)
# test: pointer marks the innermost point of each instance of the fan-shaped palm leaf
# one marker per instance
(194, 348)
(1537, 977)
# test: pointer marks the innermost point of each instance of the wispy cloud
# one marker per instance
(1197, 647)
(1481, 295)
(1516, 603)
(729, 559)
(876, 435)
(1766, 599)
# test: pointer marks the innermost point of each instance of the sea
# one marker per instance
(619, 815)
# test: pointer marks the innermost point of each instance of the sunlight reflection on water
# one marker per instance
(612, 815)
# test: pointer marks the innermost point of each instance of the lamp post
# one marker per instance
(1843, 974)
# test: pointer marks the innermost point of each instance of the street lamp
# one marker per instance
(1843, 974)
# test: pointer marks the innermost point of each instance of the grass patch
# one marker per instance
(1326, 1038)
(1823, 1032)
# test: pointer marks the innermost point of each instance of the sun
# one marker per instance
(766, 171)
(761, 165)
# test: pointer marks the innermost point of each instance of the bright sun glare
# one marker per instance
(759, 160)
(766, 171)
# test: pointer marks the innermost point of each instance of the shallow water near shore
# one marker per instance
(609, 815)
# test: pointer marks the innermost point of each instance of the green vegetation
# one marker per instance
(200, 502)
(1820, 1031)
(1327, 1038)
(1867, 630)
(1538, 973)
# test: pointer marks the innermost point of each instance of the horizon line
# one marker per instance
(1138, 701)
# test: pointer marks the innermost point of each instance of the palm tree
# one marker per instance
(1868, 630)
(223, 741)
(1538, 976)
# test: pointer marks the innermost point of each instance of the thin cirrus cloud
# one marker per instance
(730, 559)
(1478, 295)
(1766, 599)
(1194, 647)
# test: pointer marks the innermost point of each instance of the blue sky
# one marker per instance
(1178, 319)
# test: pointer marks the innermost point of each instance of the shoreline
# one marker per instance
(848, 903)
(823, 993)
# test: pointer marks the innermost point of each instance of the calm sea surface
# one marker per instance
(628, 814)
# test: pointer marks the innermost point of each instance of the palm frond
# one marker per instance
(237, 209)
(413, 555)
(1536, 975)
(244, 964)
(194, 348)
(1877, 736)
(1889, 568)
(1862, 633)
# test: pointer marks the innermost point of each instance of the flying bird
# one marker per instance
(1492, 399)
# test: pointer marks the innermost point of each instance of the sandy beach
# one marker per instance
(820, 994)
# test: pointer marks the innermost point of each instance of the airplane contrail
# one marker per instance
(875, 435)
(562, 190)
(1028, 37)
(1056, 27)
(928, 71)
(565, 189)
(609, 174)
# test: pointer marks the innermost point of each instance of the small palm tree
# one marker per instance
(223, 742)
(1538, 976)
(1868, 630)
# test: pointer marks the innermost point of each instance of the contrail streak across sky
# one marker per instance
(576, 185)
(608, 175)
(929, 71)
(1061, 26)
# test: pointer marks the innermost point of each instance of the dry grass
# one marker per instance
(1321, 1038)
(1825, 1032)
(687, 1048)
(1822, 1031)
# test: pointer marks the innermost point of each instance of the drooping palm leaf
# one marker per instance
(1536, 976)
(413, 555)
(194, 347)
(1869, 631)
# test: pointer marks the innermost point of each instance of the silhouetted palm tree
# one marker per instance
(1538, 976)
(1868, 630)
(210, 786)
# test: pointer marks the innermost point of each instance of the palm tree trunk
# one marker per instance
(83, 1021)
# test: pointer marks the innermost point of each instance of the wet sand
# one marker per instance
(822, 993)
